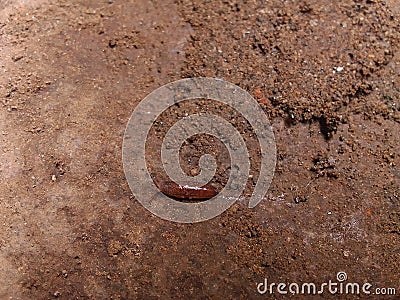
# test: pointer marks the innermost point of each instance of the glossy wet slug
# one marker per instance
(186, 191)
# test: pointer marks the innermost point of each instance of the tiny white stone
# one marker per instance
(338, 69)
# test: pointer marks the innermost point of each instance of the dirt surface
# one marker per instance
(327, 74)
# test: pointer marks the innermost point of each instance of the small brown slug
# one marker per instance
(186, 191)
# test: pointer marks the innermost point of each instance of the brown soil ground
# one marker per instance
(327, 74)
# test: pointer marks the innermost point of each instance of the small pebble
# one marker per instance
(12, 108)
(194, 172)
(57, 294)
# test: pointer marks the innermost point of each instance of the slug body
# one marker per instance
(186, 191)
